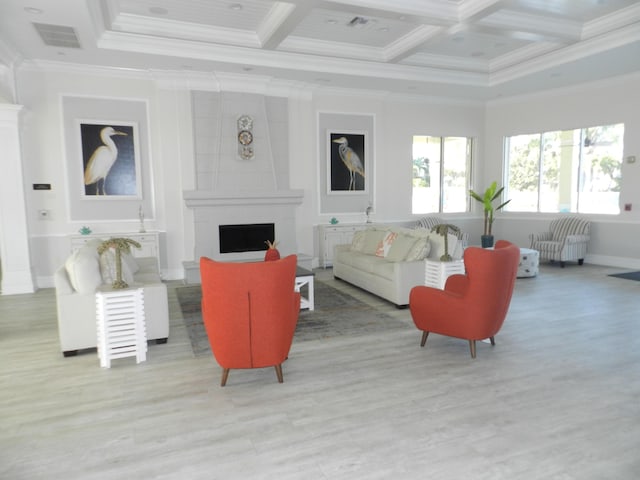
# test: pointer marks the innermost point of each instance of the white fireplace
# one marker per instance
(231, 189)
(212, 210)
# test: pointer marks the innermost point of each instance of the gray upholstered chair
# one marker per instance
(566, 240)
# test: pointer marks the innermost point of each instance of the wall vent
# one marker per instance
(57, 35)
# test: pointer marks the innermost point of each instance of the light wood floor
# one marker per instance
(557, 398)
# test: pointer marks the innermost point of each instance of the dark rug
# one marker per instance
(627, 275)
(336, 314)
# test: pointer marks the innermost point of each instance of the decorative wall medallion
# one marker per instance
(245, 137)
(246, 153)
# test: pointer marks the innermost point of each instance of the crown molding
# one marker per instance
(568, 54)
(564, 91)
(612, 21)
(535, 25)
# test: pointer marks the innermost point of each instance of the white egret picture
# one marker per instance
(110, 160)
(347, 162)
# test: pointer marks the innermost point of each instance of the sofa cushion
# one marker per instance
(372, 237)
(83, 268)
(383, 269)
(108, 268)
(357, 243)
(385, 244)
(130, 260)
(437, 246)
(365, 262)
(419, 250)
(400, 248)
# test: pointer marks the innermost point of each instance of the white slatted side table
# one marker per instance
(437, 272)
(121, 325)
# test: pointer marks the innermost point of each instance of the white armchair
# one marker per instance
(76, 282)
(566, 240)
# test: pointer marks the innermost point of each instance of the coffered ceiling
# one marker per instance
(466, 49)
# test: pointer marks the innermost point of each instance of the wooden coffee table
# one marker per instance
(305, 277)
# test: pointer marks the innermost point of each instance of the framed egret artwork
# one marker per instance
(347, 162)
(110, 160)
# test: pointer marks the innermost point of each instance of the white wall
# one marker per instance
(613, 237)
(46, 161)
(396, 120)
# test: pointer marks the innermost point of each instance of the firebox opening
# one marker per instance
(245, 238)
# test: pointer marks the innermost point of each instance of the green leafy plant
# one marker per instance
(490, 195)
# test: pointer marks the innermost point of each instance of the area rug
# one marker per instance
(627, 275)
(336, 314)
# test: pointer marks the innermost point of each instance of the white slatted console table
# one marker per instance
(121, 325)
(437, 272)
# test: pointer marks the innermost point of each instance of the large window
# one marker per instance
(440, 174)
(565, 171)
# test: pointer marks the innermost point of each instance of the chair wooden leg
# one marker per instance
(279, 373)
(424, 338)
(472, 347)
(225, 375)
(493, 341)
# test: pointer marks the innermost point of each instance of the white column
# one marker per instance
(15, 259)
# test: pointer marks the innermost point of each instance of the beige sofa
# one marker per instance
(389, 261)
(85, 271)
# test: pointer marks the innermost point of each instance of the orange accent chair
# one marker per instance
(250, 312)
(471, 306)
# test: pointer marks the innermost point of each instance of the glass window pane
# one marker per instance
(523, 167)
(426, 174)
(454, 184)
(601, 169)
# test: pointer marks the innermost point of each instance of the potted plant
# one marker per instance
(490, 195)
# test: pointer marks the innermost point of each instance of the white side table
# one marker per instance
(437, 272)
(121, 324)
(305, 277)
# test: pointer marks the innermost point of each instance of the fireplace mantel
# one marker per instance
(213, 208)
(207, 198)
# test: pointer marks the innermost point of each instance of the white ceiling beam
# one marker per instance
(283, 60)
(410, 43)
(281, 20)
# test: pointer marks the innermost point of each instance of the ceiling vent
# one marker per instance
(358, 22)
(57, 35)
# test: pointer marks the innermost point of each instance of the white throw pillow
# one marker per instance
(371, 240)
(400, 248)
(437, 245)
(83, 270)
(385, 244)
(108, 268)
(420, 250)
(357, 243)
(130, 260)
